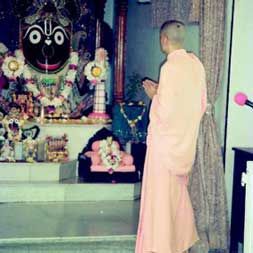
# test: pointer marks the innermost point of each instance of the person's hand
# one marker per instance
(150, 87)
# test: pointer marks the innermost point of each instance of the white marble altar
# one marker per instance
(78, 134)
(37, 172)
(67, 192)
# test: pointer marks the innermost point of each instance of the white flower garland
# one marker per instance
(68, 83)
(110, 155)
(14, 66)
(96, 71)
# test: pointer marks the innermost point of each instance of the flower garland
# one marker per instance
(68, 84)
(96, 71)
(110, 154)
(132, 122)
(14, 66)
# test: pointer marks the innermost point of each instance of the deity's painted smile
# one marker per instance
(46, 45)
(46, 66)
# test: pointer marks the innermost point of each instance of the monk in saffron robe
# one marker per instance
(166, 221)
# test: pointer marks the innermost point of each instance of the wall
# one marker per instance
(143, 51)
(143, 47)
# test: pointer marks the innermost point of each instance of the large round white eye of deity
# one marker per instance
(35, 37)
(11, 121)
(16, 121)
(59, 38)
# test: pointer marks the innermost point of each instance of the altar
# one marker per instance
(78, 136)
(54, 79)
(50, 181)
(53, 83)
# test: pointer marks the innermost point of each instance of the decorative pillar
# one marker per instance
(120, 45)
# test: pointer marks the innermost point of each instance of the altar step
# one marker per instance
(36, 172)
(67, 190)
(76, 227)
(106, 244)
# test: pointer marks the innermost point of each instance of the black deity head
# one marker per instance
(46, 29)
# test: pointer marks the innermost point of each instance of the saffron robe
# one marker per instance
(166, 221)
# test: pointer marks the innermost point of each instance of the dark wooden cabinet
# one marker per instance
(242, 156)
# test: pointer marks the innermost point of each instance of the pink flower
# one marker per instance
(73, 66)
(110, 171)
(69, 83)
(50, 109)
(62, 98)
(94, 82)
(12, 78)
(101, 54)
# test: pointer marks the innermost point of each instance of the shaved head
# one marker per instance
(174, 30)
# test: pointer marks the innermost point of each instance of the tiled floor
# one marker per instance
(68, 219)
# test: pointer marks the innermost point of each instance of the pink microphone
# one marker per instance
(242, 99)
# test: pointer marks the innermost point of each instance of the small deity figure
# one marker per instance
(56, 149)
(6, 150)
(13, 123)
(30, 149)
(30, 106)
(25, 100)
(107, 156)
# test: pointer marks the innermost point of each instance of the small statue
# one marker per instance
(6, 150)
(30, 149)
(56, 149)
(13, 123)
(30, 106)
(107, 156)
(25, 100)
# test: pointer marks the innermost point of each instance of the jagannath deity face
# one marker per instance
(13, 123)
(46, 44)
(14, 126)
(46, 29)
